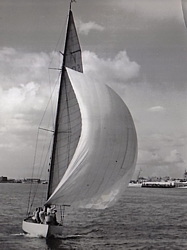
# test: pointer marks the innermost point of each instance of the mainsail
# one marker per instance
(68, 119)
(95, 142)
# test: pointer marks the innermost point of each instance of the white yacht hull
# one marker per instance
(41, 230)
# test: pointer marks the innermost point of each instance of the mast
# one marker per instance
(57, 113)
(71, 3)
(72, 59)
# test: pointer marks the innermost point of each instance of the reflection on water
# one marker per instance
(64, 243)
(55, 244)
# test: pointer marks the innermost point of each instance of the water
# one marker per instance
(144, 218)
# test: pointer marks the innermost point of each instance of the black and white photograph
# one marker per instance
(93, 124)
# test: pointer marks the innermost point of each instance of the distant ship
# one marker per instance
(158, 184)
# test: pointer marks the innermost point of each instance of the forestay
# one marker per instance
(106, 153)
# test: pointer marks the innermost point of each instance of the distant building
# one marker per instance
(155, 178)
(166, 178)
(3, 179)
(31, 180)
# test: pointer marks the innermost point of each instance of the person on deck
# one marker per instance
(42, 215)
(50, 209)
(36, 215)
(54, 221)
(50, 216)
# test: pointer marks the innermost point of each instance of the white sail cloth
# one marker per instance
(105, 157)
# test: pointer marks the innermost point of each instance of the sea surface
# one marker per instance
(144, 218)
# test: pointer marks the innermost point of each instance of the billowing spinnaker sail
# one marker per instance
(105, 158)
(68, 122)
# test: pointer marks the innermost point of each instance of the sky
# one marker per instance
(138, 47)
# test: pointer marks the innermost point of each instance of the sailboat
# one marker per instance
(94, 145)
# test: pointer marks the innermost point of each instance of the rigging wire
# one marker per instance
(52, 90)
(36, 148)
(30, 191)
(42, 200)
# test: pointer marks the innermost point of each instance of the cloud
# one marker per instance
(174, 157)
(25, 91)
(19, 67)
(16, 105)
(120, 68)
(25, 88)
(162, 154)
(85, 28)
(159, 157)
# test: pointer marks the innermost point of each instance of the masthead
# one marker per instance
(72, 1)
